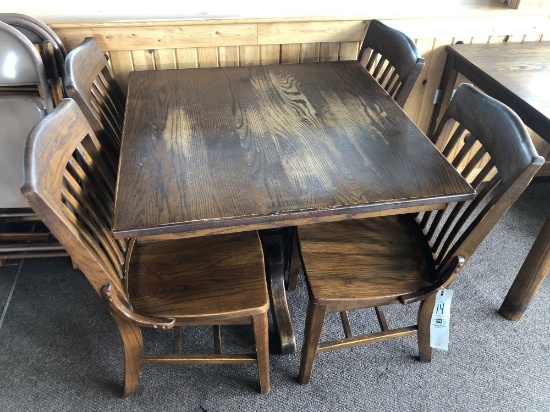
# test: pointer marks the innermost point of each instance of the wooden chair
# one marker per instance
(90, 81)
(392, 59)
(214, 280)
(402, 259)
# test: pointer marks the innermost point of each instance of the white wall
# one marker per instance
(59, 11)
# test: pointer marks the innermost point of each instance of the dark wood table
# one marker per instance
(517, 74)
(231, 149)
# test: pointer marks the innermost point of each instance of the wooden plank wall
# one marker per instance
(185, 44)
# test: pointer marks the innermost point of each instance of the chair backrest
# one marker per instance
(71, 189)
(37, 32)
(90, 81)
(21, 64)
(392, 58)
(497, 155)
(18, 115)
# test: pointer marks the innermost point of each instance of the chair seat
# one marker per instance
(200, 278)
(367, 261)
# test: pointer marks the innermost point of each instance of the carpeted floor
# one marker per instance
(60, 350)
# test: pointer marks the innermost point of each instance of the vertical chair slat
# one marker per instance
(88, 209)
(450, 145)
(384, 76)
(459, 226)
(464, 150)
(371, 60)
(379, 67)
(86, 213)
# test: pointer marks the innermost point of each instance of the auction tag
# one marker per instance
(439, 326)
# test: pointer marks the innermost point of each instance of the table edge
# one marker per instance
(303, 217)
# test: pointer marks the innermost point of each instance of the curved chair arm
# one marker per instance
(448, 275)
(120, 309)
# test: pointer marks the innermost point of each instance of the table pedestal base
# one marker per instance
(277, 246)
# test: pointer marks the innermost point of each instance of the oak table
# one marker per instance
(517, 74)
(218, 150)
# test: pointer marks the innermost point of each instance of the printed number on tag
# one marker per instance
(439, 326)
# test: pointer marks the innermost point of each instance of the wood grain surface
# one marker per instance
(515, 73)
(264, 145)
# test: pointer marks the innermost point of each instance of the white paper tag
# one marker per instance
(439, 326)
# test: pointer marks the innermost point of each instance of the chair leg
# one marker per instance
(261, 336)
(345, 323)
(312, 334)
(133, 354)
(177, 339)
(381, 318)
(294, 269)
(424, 320)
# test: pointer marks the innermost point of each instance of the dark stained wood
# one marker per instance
(229, 149)
(530, 277)
(381, 316)
(176, 347)
(199, 358)
(219, 278)
(397, 259)
(372, 260)
(368, 338)
(262, 350)
(513, 73)
(345, 324)
(203, 281)
(392, 58)
(517, 75)
(312, 334)
(90, 81)
(274, 246)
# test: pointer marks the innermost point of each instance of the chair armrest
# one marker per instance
(120, 309)
(448, 275)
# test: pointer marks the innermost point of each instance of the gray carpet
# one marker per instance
(60, 350)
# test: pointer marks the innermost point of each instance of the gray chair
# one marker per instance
(22, 234)
(33, 24)
(22, 67)
(49, 45)
(24, 100)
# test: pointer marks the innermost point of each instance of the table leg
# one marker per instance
(448, 80)
(275, 246)
(530, 276)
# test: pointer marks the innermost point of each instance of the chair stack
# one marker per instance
(49, 46)
(30, 85)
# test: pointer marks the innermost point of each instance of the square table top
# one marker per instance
(243, 148)
(518, 74)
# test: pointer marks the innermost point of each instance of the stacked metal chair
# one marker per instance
(25, 98)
